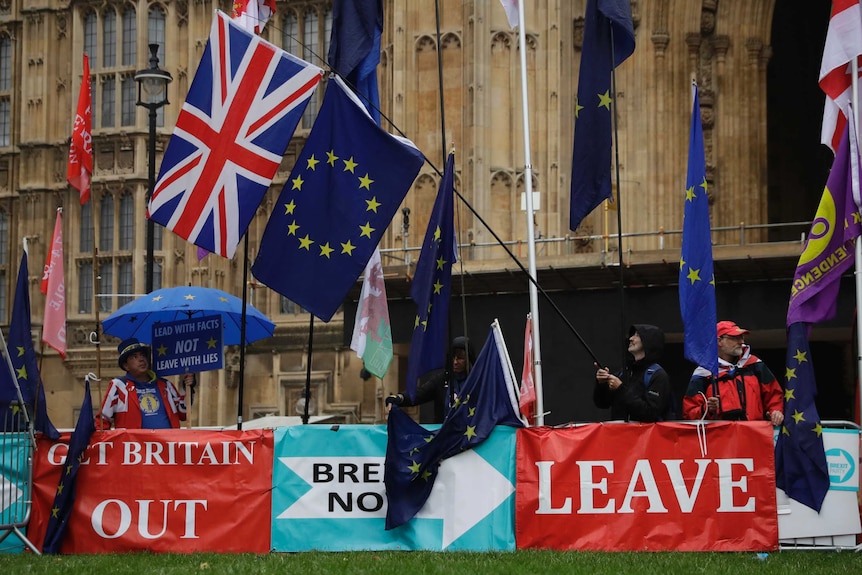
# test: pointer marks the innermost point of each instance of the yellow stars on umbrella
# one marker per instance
(157, 298)
(311, 163)
(289, 207)
(325, 250)
(366, 230)
(347, 248)
(189, 297)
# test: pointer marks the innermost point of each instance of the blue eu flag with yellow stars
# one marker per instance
(800, 461)
(696, 279)
(609, 38)
(23, 359)
(340, 197)
(64, 499)
(413, 454)
(432, 285)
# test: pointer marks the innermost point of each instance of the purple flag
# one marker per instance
(829, 251)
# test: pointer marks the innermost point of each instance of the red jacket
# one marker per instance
(747, 390)
(121, 404)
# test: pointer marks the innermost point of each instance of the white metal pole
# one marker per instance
(531, 239)
(854, 68)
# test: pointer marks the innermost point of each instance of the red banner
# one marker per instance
(647, 487)
(178, 491)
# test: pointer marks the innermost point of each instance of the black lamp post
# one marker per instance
(152, 95)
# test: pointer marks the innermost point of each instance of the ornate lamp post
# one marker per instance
(152, 95)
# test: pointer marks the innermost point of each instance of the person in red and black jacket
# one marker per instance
(746, 390)
(140, 399)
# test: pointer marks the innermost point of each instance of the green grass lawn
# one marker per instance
(427, 563)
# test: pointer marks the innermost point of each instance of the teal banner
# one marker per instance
(328, 494)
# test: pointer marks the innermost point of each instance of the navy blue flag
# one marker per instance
(341, 196)
(23, 357)
(64, 500)
(696, 277)
(354, 47)
(800, 461)
(413, 454)
(432, 285)
(609, 38)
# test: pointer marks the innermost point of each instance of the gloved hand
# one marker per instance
(396, 399)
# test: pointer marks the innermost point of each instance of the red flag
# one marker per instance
(253, 15)
(527, 399)
(843, 45)
(81, 149)
(53, 285)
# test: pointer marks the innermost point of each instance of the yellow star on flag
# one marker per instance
(800, 356)
(797, 416)
(292, 227)
(297, 183)
(788, 394)
(690, 195)
(305, 243)
(694, 275)
(605, 100)
(365, 182)
(373, 204)
(289, 207)
(349, 165)
(437, 287)
(347, 248)
(311, 163)
(331, 158)
(789, 373)
(471, 432)
(414, 467)
(818, 429)
(366, 230)
(440, 263)
(325, 250)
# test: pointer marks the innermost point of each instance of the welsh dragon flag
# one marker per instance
(372, 334)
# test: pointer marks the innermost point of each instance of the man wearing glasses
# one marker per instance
(746, 390)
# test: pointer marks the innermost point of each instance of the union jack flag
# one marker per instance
(242, 108)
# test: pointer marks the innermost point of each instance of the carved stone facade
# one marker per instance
(722, 44)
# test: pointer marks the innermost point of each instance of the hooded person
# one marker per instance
(642, 390)
(442, 386)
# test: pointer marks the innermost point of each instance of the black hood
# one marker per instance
(653, 341)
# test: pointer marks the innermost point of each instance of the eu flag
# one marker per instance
(432, 285)
(354, 47)
(696, 279)
(341, 196)
(413, 454)
(609, 38)
(800, 462)
(64, 499)
(23, 358)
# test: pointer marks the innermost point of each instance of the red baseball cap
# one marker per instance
(729, 328)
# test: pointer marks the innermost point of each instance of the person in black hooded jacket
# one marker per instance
(442, 386)
(628, 394)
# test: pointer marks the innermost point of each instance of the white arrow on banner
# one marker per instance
(9, 494)
(467, 489)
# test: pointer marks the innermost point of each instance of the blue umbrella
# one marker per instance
(136, 318)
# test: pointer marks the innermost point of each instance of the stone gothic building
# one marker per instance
(453, 85)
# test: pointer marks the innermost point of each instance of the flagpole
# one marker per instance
(854, 77)
(531, 238)
(619, 198)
